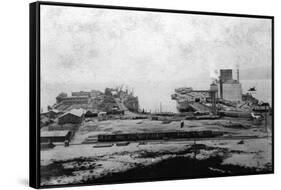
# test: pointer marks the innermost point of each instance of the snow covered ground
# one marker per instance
(80, 163)
(95, 163)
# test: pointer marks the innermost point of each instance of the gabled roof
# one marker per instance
(53, 110)
(76, 112)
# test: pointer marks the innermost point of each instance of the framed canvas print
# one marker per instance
(126, 94)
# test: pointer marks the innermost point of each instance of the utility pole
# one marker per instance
(195, 149)
(265, 120)
(237, 67)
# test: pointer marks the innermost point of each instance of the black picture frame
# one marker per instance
(34, 83)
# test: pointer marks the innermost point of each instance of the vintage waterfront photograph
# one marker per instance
(131, 95)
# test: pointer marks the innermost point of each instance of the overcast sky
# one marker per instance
(81, 46)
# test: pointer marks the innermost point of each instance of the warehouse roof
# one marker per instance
(76, 112)
(53, 110)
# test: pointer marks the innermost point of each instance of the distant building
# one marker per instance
(95, 93)
(81, 97)
(232, 91)
(75, 116)
(61, 96)
(229, 89)
(73, 100)
(81, 93)
(225, 75)
(55, 136)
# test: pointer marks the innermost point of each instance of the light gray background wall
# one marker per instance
(14, 93)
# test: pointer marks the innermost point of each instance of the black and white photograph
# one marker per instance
(132, 95)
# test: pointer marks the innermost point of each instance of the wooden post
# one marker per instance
(195, 149)
(265, 120)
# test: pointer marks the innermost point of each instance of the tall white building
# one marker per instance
(232, 91)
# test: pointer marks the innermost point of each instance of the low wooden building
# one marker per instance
(44, 121)
(75, 116)
(55, 136)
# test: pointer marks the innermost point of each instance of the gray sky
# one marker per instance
(87, 48)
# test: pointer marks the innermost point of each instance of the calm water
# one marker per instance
(152, 94)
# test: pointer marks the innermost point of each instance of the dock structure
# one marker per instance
(224, 90)
(195, 100)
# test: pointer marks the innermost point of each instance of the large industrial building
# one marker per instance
(232, 91)
(226, 88)
(74, 100)
(81, 93)
(229, 89)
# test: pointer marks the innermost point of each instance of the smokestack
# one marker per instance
(238, 73)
